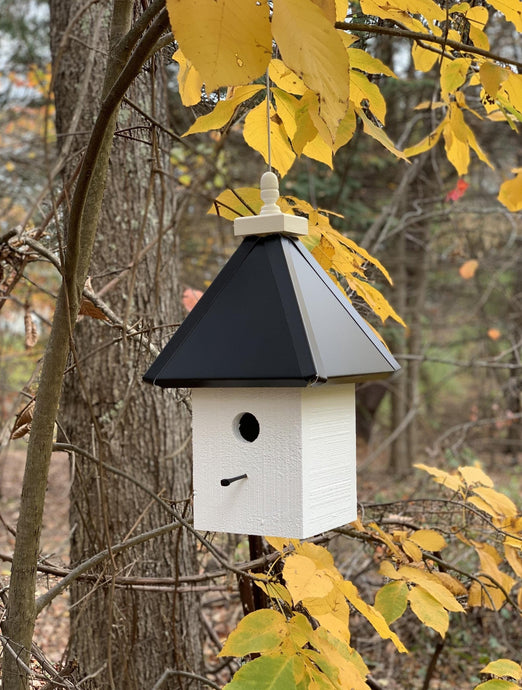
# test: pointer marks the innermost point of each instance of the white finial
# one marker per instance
(269, 193)
(271, 220)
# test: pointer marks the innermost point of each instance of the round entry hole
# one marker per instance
(248, 427)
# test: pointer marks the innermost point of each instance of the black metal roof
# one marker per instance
(272, 317)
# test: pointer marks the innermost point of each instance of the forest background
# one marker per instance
(451, 247)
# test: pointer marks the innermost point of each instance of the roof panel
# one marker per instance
(272, 317)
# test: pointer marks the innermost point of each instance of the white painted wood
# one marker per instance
(270, 219)
(300, 469)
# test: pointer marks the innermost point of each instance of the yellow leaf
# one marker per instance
(331, 612)
(372, 615)
(500, 503)
(457, 150)
(243, 201)
(346, 129)
(287, 107)
(340, 657)
(513, 88)
(510, 193)
(423, 59)
(475, 475)
(224, 110)
(489, 562)
(482, 594)
(453, 74)
(305, 126)
(322, 64)
(391, 600)
(389, 543)
(341, 10)
(189, 80)
(379, 135)
(9, 166)
(281, 543)
(477, 16)
(412, 550)
(360, 59)
(425, 144)
(328, 8)
(504, 667)
(401, 11)
(454, 586)
(255, 135)
(428, 539)
(491, 77)
(468, 269)
(450, 480)
(513, 558)
(285, 79)
(304, 580)
(374, 299)
(362, 90)
(258, 632)
(511, 9)
(274, 590)
(431, 583)
(498, 684)
(300, 629)
(429, 610)
(319, 150)
(238, 47)
(320, 556)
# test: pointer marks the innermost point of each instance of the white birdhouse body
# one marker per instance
(272, 352)
(300, 467)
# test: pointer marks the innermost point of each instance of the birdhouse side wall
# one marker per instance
(269, 501)
(329, 457)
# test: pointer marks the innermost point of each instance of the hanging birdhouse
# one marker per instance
(272, 352)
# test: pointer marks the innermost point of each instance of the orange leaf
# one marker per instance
(494, 333)
(468, 268)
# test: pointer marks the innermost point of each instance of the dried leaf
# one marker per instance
(88, 308)
(31, 332)
(22, 425)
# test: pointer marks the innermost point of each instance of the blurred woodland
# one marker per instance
(143, 617)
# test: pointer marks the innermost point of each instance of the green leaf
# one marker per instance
(392, 600)
(265, 673)
(261, 631)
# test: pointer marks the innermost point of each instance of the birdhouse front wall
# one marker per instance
(297, 448)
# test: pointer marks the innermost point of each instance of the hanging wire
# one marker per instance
(268, 121)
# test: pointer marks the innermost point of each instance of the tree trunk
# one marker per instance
(125, 638)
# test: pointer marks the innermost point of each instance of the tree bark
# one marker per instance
(126, 638)
(124, 62)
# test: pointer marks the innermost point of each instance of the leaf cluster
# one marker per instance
(304, 640)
